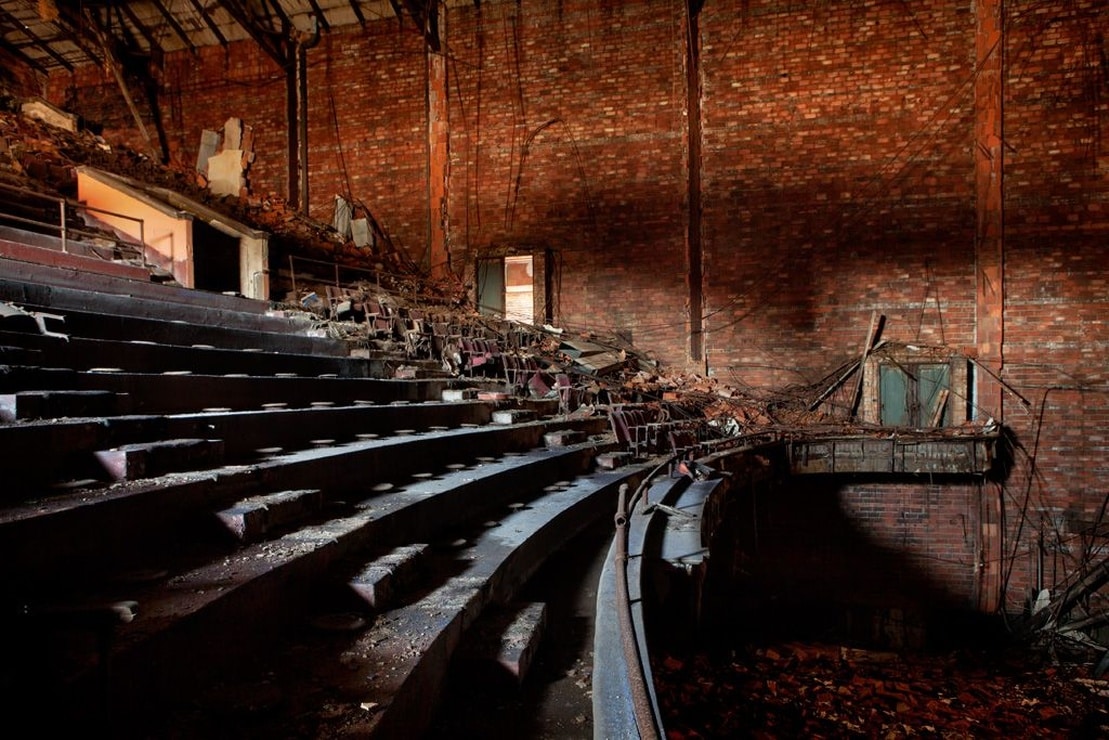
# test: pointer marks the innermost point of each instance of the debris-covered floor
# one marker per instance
(793, 689)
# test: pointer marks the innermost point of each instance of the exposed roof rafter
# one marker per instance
(125, 9)
(320, 17)
(30, 62)
(174, 25)
(203, 13)
(56, 37)
(70, 28)
(358, 13)
(38, 42)
(275, 47)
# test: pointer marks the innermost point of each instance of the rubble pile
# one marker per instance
(45, 156)
(42, 157)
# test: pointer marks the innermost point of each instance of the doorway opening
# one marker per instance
(506, 288)
(215, 259)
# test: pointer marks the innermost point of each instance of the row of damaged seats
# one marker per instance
(648, 429)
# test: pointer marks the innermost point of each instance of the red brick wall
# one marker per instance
(1057, 288)
(567, 135)
(905, 545)
(838, 168)
(199, 92)
(838, 181)
(932, 530)
(367, 128)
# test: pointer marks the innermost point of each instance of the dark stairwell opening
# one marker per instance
(215, 259)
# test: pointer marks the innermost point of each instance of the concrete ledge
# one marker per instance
(60, 404)
(563, 438)
(251, 519)
(505, 644)
(459, 394)
(378, 583)
(151, 459)
(512, 416)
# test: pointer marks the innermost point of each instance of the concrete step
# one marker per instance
(406, 654)
(153, 459)
(70, 534)
(24, 405)
(16, 354)
(564, 437)
(459, 394)
(378, 583)
(503, 644)
(239, 599)
(512, 416)
(169, 327)
(26, 279)
(252, 519)
(39, 453)
(174, 393)
(150, 357)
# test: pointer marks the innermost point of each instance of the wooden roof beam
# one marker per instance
(38, 42)
(286, 21)
(177, 30)
(125, 9)
(398, 10)
(358, 13)
(209, 22)
(319, 15)
(16, 51)
(69, 28)
(274, 47)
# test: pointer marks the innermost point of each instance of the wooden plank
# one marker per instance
(872, 335)
(941, 404)
(832, 388)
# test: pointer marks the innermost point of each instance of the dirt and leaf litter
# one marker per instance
(813, 690)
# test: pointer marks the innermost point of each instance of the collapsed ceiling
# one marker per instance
(52, 35)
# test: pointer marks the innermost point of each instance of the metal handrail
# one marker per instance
(63, 227)
(334, 265)
(641, 692)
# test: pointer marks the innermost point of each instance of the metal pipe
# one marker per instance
(641, 701)
(61, 225)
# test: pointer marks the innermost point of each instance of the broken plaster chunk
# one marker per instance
(225, 173)
(360, 232)
(40, 110)
(233, 133)
(209, 145)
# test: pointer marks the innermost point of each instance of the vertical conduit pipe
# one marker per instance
(61, 226)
